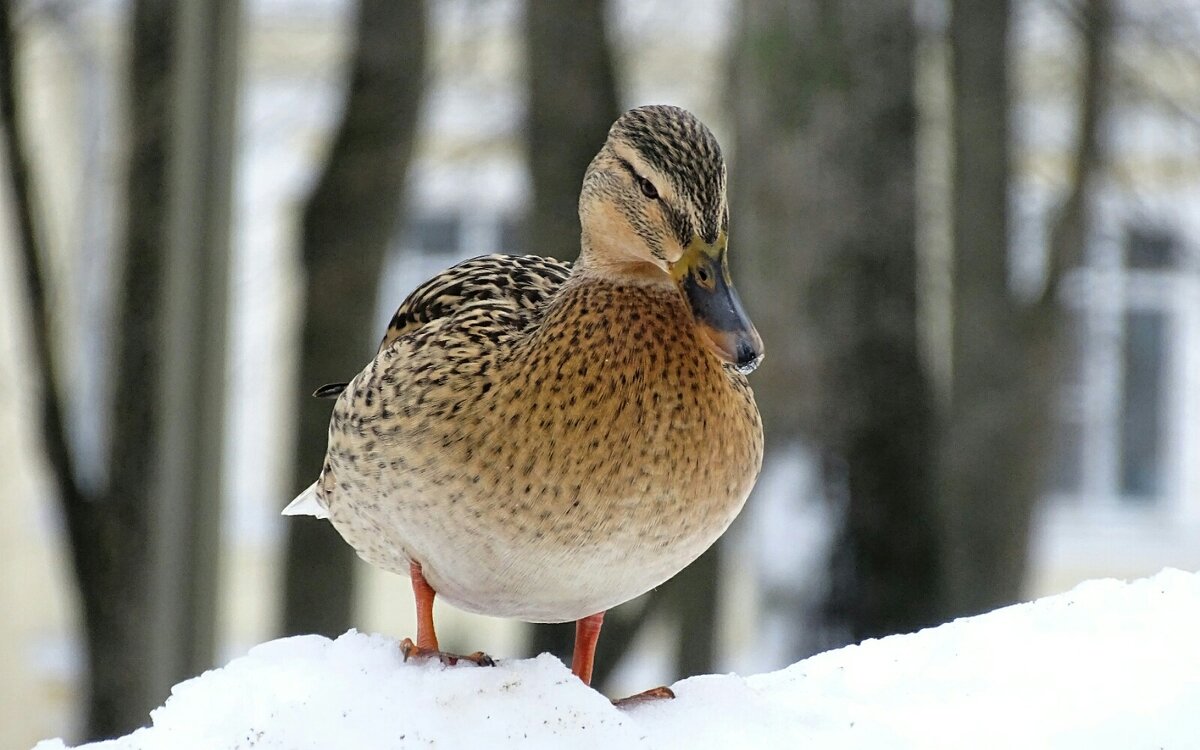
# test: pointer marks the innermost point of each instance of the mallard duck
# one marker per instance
(542, 441)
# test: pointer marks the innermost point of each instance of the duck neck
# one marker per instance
(611, 261)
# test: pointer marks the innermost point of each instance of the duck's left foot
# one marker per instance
(413, 651)
(653, 694)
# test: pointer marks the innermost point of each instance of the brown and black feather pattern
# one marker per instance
(512, 287)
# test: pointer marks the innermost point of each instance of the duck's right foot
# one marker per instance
(413, 651)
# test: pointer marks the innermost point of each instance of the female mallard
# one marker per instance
(544, 442)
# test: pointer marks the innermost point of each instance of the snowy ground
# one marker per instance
(1108, 665)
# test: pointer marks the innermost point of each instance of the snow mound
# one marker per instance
(1108, 665)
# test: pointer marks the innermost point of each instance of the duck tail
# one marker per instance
(307, 504)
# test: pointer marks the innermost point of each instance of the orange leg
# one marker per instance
(424, 593)
(587, 633)
(427, 642)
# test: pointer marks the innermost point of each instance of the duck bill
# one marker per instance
(703, 277)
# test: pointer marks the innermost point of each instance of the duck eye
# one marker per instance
(647, 188)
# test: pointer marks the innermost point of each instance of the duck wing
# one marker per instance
(519, 284)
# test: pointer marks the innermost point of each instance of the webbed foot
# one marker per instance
(413, 651)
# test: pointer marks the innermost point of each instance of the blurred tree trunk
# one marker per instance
(1006, 352)
(192, 350)
(693, 597)
(126, 555)
(109, 532)
(572, 103)
(348, 226)
(823, 187)
(113, 539)
(989, 492)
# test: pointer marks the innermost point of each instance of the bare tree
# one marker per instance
(109, 533)
(1006, 352)
(348, 226)
(572, 102)
(1069, 235)
(989, 523)
(133, 552)
(823, 186)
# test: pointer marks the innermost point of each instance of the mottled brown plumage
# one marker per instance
(546, 442)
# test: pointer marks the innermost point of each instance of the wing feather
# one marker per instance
(516, 283)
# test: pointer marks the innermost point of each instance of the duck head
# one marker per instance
(653, 207)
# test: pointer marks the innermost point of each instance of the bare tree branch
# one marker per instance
(106, 532)
(31, 255)
(1068, 237)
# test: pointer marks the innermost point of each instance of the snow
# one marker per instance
(1107, 665)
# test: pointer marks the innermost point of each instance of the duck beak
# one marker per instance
(703, 277)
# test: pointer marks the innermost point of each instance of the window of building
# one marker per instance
(1141, 423)
(1150, 248)
(1111, 439)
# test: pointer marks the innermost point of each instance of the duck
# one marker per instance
(543, 440)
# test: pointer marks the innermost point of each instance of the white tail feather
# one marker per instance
(307, 504)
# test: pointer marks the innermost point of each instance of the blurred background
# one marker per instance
(967, 230)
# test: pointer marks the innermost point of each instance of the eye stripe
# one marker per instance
(629, 167)
(647, 187)
(681, 225)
